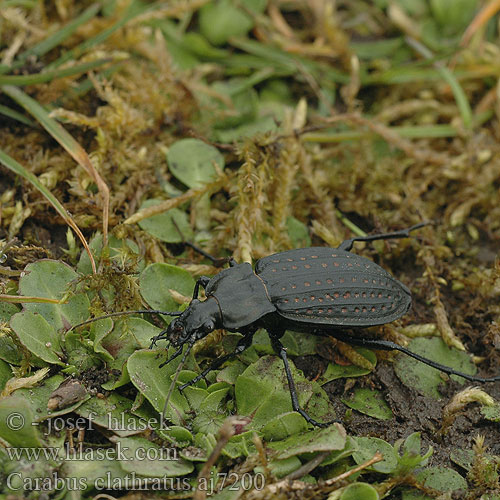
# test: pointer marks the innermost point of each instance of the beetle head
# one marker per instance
(196, 322)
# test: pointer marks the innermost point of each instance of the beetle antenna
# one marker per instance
(387, 345)
(216, 261)
(122, 313)
(176, 375)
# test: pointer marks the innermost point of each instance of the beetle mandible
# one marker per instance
(319, 290)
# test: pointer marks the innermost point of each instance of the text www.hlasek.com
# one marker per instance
(119, 452)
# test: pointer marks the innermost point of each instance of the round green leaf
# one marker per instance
(7, 310)
(119, 251)
(283, 426)
(219, 21)
(176, 434)
(38, 397)
(298, 232)
(442, 479)
(359, 491)
(148, 459)
(114, 412)
(423, 378)
(100, 471)
(368, 446)
(192, 161)
(5, 374)
(331, 438)
(491, 412)
(334, 371)
(9, 351)
(154, 382)
(50, 279)
(38, 336)
(262, 391)
(17, 422)
(156, 281)
(280, 468)
(369, 402)
(162, 226)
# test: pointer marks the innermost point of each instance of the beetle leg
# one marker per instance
(162, 335)
(201, 281)
(174, 355)
(386, 345)
(243, 344)
(404, 233)
(281, 352)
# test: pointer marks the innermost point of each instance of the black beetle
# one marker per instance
(318, 290)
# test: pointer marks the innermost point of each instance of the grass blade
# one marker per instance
(47, 76)
(64, 138)
(448, 76)
(53, 40)
(18, 169)
(15, 115)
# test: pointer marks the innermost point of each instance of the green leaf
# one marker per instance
(156, 281)
(369, 402)
(148, 459)
(192, 161)
(101, 472)
(334, 371)
(442, 479)
(330, 438)
(9, 351)
(79, 353)
(249, 129)
(281, 468)
(195, 396)
(423, 378)
(491, 413)
(100, 329)
(368, 446)
(410, 457)
(298, 232)
(114, 412)
(50, 279)
(18, 473)
(231, 372)
(154, 382)
(262, 391)
(243, 106)
(120, 252)
(17, 422)
(177, 435)
(453, 15)
(5, 374)
(284, 425)
(196, 43)
(38, 397)
(162, 226)
(336, 456)
(128, 335)
(240, 445)
(38, 336)
(358, 491)
(7, 311)
(463, 458)
(221, 20)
